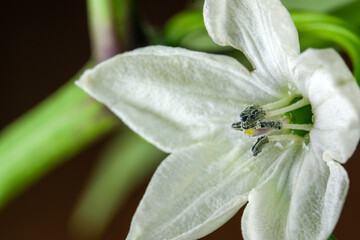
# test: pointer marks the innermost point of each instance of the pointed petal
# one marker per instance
(301, 201)
(174, 97)
(323, 77)
(195, 191)
(262, 29)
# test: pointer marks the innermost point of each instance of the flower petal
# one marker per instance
(262, 29)
(323, 77)
(302, 201)
(174, 97)
(318, 198)
(195, 191)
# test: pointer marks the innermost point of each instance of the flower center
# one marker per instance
(289, 119)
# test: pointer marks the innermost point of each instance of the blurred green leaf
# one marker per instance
(304, 5)
(186, 28)
(59, 127)
(316, 5)
(335, 30)
(332, 237)
(126, 163)
(349, 13)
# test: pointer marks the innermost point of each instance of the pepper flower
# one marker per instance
(274, 137)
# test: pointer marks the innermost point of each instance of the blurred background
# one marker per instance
(43, 45)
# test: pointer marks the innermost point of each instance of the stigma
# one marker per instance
(271, 122)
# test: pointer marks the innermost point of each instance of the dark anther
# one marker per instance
(259, 145)
(237, 126)
(271, 125)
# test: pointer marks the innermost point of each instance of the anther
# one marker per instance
(259, 145)
(271, 125)
(251, 115)
(260, 121)
(247, 111)
(237, 126)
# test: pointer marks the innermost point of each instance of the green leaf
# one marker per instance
(349, 13)
(55, 130)
(332, 237)
(126, 163)
(187, 30)
(335, 30)
(316, 5)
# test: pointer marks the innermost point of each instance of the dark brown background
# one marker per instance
(43, 44)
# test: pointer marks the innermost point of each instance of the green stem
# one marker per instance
(125, 163)
(124, 20)
(55, 130)
(63, 124)
(104, 39)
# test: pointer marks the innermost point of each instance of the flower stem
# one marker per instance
(104, 39)
(121, 169)
(55, 130)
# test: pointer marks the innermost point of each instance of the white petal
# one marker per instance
(174, 97)
(323, 77)
(262, 29)
(195, 191)
(318, 198)
(302, 201)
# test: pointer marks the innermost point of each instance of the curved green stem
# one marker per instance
(63, 124)
(55, 130)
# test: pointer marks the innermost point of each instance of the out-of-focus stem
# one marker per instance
(61, 125)
(103, 35)
(125, 163)
(56, 129)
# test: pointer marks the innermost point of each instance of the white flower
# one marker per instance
(184, 102)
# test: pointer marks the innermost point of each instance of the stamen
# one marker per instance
(301, 103)
(247, 111)
(251, 115)
(271, 125)
(259, 145)
(255, 121)
(237, 126)
(279, 104)
(305, 127)
(285, 137)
